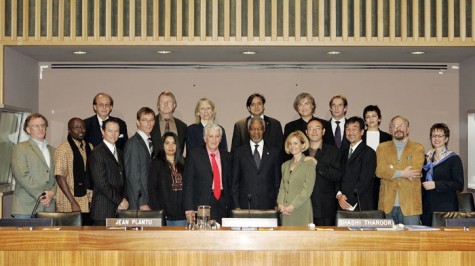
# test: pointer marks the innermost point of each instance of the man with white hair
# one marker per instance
(207, 175)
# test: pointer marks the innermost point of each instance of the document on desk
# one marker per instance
(420, 228)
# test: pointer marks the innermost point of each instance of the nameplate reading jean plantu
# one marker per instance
(367, 223)
(133, 222)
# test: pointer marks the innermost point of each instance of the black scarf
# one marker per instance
(79, 171)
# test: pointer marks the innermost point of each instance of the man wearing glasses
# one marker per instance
(102, 105)
(399, 165)
(32, 167)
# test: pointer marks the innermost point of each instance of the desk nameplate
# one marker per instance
(250, 222)
(367, 223)
(134, 222)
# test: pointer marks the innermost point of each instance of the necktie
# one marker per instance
(150, 146)
(350, 153)
(338, 134)
(216, 177)
(116, 155)
(257, 157)
(167, 125)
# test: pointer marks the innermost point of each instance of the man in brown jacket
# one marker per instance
(399, 164)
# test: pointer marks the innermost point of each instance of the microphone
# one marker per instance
(249, 198)
(358, 198)
(36, 205)
(138, 204)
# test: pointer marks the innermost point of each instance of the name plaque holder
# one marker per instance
(366, 223)
(132, 223)
(249, 224)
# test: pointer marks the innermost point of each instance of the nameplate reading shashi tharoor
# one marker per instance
(366, 223)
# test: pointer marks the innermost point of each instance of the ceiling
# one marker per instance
(233, 54)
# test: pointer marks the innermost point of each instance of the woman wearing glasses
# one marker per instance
(442, 175)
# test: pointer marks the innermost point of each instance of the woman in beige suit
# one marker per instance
(298, 179)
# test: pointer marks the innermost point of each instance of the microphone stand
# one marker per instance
(249, 198)
(36, 205)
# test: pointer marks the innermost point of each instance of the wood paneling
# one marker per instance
(283, 246)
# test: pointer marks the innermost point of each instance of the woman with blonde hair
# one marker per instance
(204, 113)
(296, 186)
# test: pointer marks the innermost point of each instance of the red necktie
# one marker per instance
(216, 179)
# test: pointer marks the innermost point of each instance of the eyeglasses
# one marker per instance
(399, 126)
(101, 105)
(437, 136)
(38, 126)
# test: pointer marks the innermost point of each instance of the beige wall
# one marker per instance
(424, 97)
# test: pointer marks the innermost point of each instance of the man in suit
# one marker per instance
(137, 157)
(102, 105)
(359, 163)
(304, 105)
(399, 167)
(70, 161)
(273, 134)
(328, 174)
(207, 176)
(32, 165)
(107, 172)
(256, 171)
(338, 108)
(166, 122)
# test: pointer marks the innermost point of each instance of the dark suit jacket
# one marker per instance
(94, 134)
(262, 184)
(160, 193)
(272, 135)
(383, 136)
(137, 168)
(109, 182)
(329, 173)
(344, 141)
(359, 171)
(301, 125)
(157, 135)
(198, 179)
(194, 137)
(448, 178)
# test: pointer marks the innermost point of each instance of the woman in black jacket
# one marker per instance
(166, 181)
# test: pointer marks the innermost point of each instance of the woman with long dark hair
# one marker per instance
(166, 181)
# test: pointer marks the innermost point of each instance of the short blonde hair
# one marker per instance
(197, 109)
(300, 136)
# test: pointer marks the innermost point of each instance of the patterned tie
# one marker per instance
(150, 146)
(167, 125)
(216, 177)
(257, 157)
(116, 155)
(350, 153)
(338, 134)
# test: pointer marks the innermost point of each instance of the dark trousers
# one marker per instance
(219, 208)
(324, 221)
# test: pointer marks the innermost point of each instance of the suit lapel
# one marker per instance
(249, 156)
(204, 158)
(356, 152)
(38, 152)
(265, 156)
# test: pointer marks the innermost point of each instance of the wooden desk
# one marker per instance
(283, 246)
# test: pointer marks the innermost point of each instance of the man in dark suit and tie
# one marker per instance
(102, 105)
(107, 173)
(359, 162)
(256, 171)
(207, 176)
(338, 108)
(273, 134)
(328, 174)
(166, 122)
(138, 157)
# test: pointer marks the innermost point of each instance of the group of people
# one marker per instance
(307, 171)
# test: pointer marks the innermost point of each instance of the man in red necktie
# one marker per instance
(206, 180)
